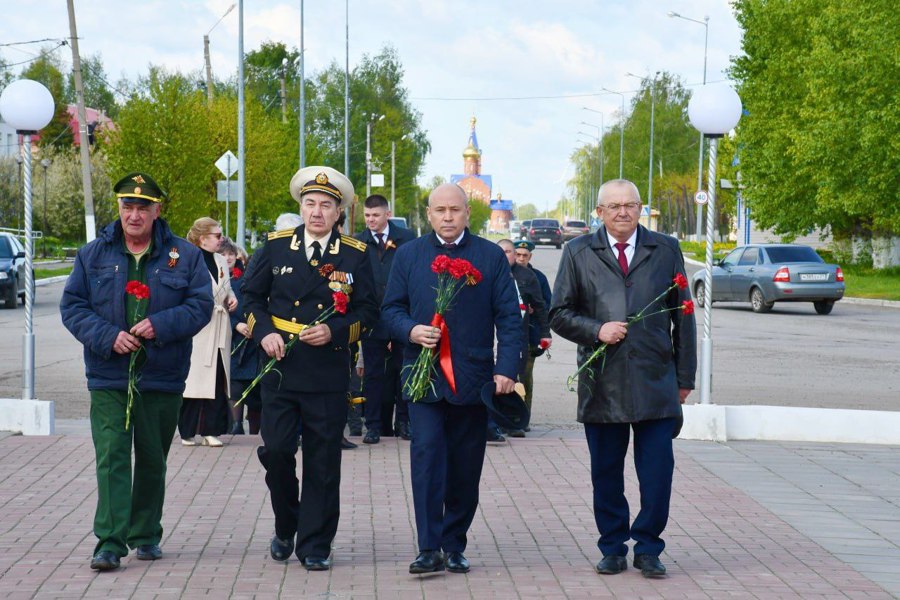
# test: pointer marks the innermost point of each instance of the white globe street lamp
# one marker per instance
(28, 107)
(713, 110)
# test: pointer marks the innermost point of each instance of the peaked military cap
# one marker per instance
(525, 245)
(322, 179)
(138, 187)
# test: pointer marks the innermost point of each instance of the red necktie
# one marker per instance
(623, 261)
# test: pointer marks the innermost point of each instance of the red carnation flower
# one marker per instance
(681, 281)
(460, 267)
(236, 273)
(340, 302)
(687, 307)
(441, 263)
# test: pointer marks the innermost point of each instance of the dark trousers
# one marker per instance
(446, 457)
(206, 416)
(129, 513)
(654, 463)
(381, 386)
(314, 516)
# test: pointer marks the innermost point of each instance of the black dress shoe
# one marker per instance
(149, 552)
(281, 550)
(457, 563)
(610, 565)
(402, 431)
(372, 437)
(316, 563)
(105, 561)
(347, 444)
(650, 566)
(428, 561)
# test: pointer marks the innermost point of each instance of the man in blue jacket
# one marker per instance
(449, 428)
(112, 325)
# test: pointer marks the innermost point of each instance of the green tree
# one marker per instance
(97, 91)
(818, 80)
(526, 212)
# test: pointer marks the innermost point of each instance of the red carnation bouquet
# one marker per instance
(339, 305)
(453, 275)
(141, 292)
(686, 308)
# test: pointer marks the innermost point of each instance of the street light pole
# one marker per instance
(209, 83)
(46, 164)
(302, 126)
(621, 130)
(372, 119)
(242, 180)
(705, 23)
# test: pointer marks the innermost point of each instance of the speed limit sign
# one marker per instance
(701, 197)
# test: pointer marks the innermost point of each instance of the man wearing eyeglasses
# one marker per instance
(647, 373)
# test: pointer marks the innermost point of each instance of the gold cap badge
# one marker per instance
(138, 179)
(321, 178)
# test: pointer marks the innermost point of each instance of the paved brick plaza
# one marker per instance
(534, 536)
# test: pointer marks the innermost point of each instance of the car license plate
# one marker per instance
(813, 276)
(545, 239)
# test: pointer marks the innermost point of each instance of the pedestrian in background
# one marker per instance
(95, 308)
(204, 411)
(536, 346)
(646, 374)
(244, 353)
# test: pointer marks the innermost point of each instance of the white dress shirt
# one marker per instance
(629, 250)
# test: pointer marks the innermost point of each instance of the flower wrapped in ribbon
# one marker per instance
(453, 275)
(340, 302)
(140, 292)
(686, 308)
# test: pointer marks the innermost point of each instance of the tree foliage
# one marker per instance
(820, 143)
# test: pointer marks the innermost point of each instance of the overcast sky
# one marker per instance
(459, 57)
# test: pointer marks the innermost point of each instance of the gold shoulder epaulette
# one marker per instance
(274, 235)
(354, 243)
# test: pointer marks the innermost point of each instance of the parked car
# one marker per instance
(398, 222)
(763, 274)
(544, 231)
(572, 229)
(523, 230)
(12, 270)
(515, 230)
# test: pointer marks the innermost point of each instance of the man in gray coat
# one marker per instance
(604, 280)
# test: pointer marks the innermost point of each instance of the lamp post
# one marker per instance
(209, 84)
(714, 111)
(19, 161)
(242, 172)
(302, 126)
(621, 131)
(705, 23)
(599, 129)
(590, 194)
(28, 107)
(46, 164)
(393, 168)
(372, 119)
(650, 160)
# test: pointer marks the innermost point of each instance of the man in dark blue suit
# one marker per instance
(381, 353)
(449, 427)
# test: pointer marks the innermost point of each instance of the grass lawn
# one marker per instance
(45, 273)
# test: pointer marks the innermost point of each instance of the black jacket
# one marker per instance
(381, 268)
(642, 374)
(280, 282)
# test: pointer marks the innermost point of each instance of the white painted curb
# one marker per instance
(790, 423)
(29, 417)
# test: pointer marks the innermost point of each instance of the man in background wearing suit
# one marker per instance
(381, 353)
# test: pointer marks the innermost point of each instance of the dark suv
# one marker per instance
(545, 231)
(12, 270)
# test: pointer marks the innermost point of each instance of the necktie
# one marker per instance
(449, 245)
(317, 253)
(623, 260)
(381, 242)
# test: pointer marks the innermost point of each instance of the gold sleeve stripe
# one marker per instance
(354, 333)
(274, 235)
(354, 243)
(251, 321)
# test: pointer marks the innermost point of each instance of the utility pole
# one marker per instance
(209, 86)
(242, 181)
(347, 96)
(302, 126)
(650, 164)
(393, 170)
(283, 92)
(368, 158)
(89, 223)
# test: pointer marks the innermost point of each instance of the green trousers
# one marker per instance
(129, 513)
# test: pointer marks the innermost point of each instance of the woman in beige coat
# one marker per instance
(204, 410)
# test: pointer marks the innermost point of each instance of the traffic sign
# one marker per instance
(227, 164)
(227, 194)
(701, 197)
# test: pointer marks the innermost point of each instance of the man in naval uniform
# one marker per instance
(291, 283)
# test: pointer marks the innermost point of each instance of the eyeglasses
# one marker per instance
(618, 207)
(217, 235)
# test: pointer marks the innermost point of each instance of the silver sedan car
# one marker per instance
(763, 274)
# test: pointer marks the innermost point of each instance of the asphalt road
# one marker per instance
(789, 357)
